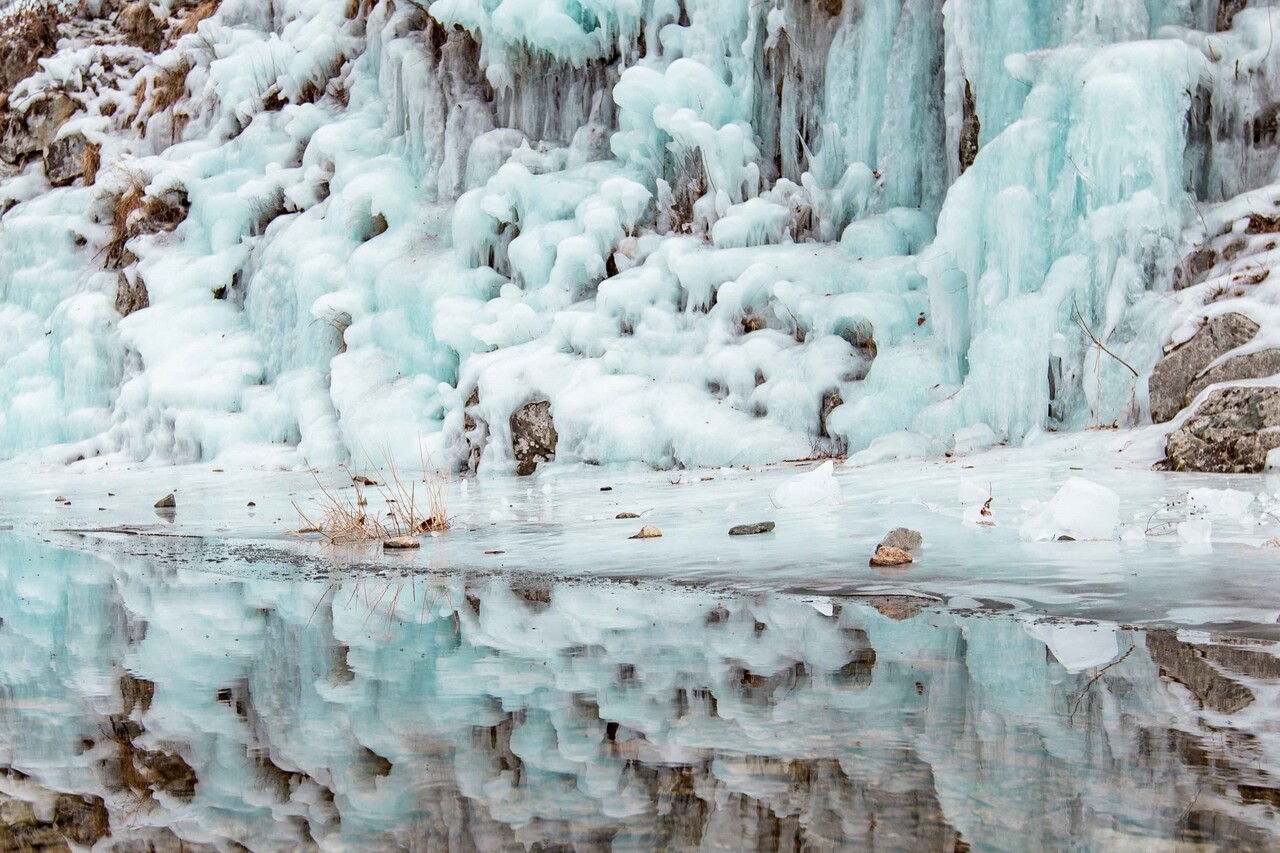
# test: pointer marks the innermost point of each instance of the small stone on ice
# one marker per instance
(902, 538)
(886, 556)
(752, 529)
(167, 502)
(59, 499)
(648, 532)
(401, 543)
(627, 515)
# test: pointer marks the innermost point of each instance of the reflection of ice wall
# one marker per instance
(704, 231)
(576, 713)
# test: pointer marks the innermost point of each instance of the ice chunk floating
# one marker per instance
(705, 232)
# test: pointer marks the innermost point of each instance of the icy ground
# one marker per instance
(1079, 526)
(233, 688)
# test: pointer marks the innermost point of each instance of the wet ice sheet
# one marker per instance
(562, 522)
(487, 714)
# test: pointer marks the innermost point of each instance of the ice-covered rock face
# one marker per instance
(704, 232)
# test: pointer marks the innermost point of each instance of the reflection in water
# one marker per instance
(140, 705)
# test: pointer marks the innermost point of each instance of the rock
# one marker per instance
(1255, 365)
(64, 159)
(648, 532)
(752, 529)
(830, 402)
(167, 502)
(1273, 542)
(1230, 433)
(251, 503)
(1227, 11)
(627, 515)
(82, 819)
(1173, 376)
(533, 436)
(902, 538)
(888, 557)
(361, 480)
(25, 136)
(59, 499)
(401, 543)
(970, 130)
(131, 293)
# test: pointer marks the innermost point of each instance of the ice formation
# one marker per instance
(706, 232)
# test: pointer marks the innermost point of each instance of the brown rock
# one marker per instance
(167, 502)
(401, 543)
(82, 819)
(648, 532)
(886, 556)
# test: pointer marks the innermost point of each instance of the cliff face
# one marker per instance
(702, 232)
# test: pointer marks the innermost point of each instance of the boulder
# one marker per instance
(1255, 365)
(902, 538)
(24, 136)
(648, 532)
(167, 502)
(1173, 377)
(533, 436)
(1230, 433)
(886, 557)
(64, 159)
(401, 543)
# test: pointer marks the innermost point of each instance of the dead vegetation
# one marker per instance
(135, 213)
(347, 519)
(190, 22)
(90, 162)
(28, 33)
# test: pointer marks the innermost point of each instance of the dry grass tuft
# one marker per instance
(167, 88)
(28, 33)
(135, 213)
(349, 520)
(191, 21)
(90, 162)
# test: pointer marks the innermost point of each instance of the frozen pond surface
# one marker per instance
(492, 713)
(534, 680)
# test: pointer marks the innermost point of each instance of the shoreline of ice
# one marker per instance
(1154, 566)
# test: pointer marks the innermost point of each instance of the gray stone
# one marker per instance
(533, 436)
(1230, 433)
(752, 529)
(25, 136)
(131, 293)
(64, 160)
(167, 502)
(1255, 365)
(902, 538)
(401, 543)
(1174, 374)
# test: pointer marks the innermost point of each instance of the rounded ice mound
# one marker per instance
(1081, 509)
(813, 488)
